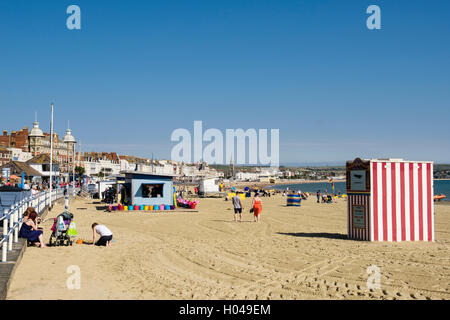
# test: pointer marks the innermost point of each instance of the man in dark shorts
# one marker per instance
(237, 204)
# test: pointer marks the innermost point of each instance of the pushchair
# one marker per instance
(110, 196)
(59, 236)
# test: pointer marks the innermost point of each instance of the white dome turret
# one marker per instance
(36, 131)
(68, 138)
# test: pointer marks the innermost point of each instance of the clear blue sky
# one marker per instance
(137, 70)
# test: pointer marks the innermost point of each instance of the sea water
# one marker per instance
(440, 187)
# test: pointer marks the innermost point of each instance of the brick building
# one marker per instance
(17, 139)
(37, 142)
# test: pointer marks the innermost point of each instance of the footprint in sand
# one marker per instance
(360, 294)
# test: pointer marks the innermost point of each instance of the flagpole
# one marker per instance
(73, 170)
(51, 155)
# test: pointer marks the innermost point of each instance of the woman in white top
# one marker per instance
(105, 235)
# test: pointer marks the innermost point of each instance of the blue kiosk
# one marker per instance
(149, 189)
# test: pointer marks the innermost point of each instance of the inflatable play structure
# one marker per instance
(390, 200)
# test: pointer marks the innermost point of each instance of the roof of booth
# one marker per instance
(398, 160)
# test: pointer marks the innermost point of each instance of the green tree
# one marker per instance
(80, 172)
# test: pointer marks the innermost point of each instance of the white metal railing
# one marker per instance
(12, 218)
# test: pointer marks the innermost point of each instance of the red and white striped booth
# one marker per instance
(390, 200)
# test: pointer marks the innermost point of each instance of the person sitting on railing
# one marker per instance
(29, 229)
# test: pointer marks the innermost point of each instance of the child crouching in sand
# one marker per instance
(105, 235)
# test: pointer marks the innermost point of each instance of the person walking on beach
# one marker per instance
(237, 204)
(257, 207)
(318, 196)
(105, 235)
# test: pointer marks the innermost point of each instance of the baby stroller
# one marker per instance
(59, 229)
(110, 196)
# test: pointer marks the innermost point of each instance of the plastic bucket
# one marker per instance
(155, 207)
(142, 208)
(130, 208)
(166, 207)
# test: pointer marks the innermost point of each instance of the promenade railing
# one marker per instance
(12, 218)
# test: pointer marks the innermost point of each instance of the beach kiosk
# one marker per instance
(149, 189)
(390, 200)
(208, 186)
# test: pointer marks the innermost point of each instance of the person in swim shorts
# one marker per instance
(237, 204)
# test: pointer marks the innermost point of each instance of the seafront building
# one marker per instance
(95, 163)
(258, 174)
(41, 164)
(110, 165)
(33, 147)
(24, 145)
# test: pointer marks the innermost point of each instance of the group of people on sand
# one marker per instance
(34, 234)
(326, 198)
(255, 209)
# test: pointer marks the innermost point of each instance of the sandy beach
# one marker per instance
(294, 253)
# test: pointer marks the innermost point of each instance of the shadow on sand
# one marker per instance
(317, 235)
(232, 221)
